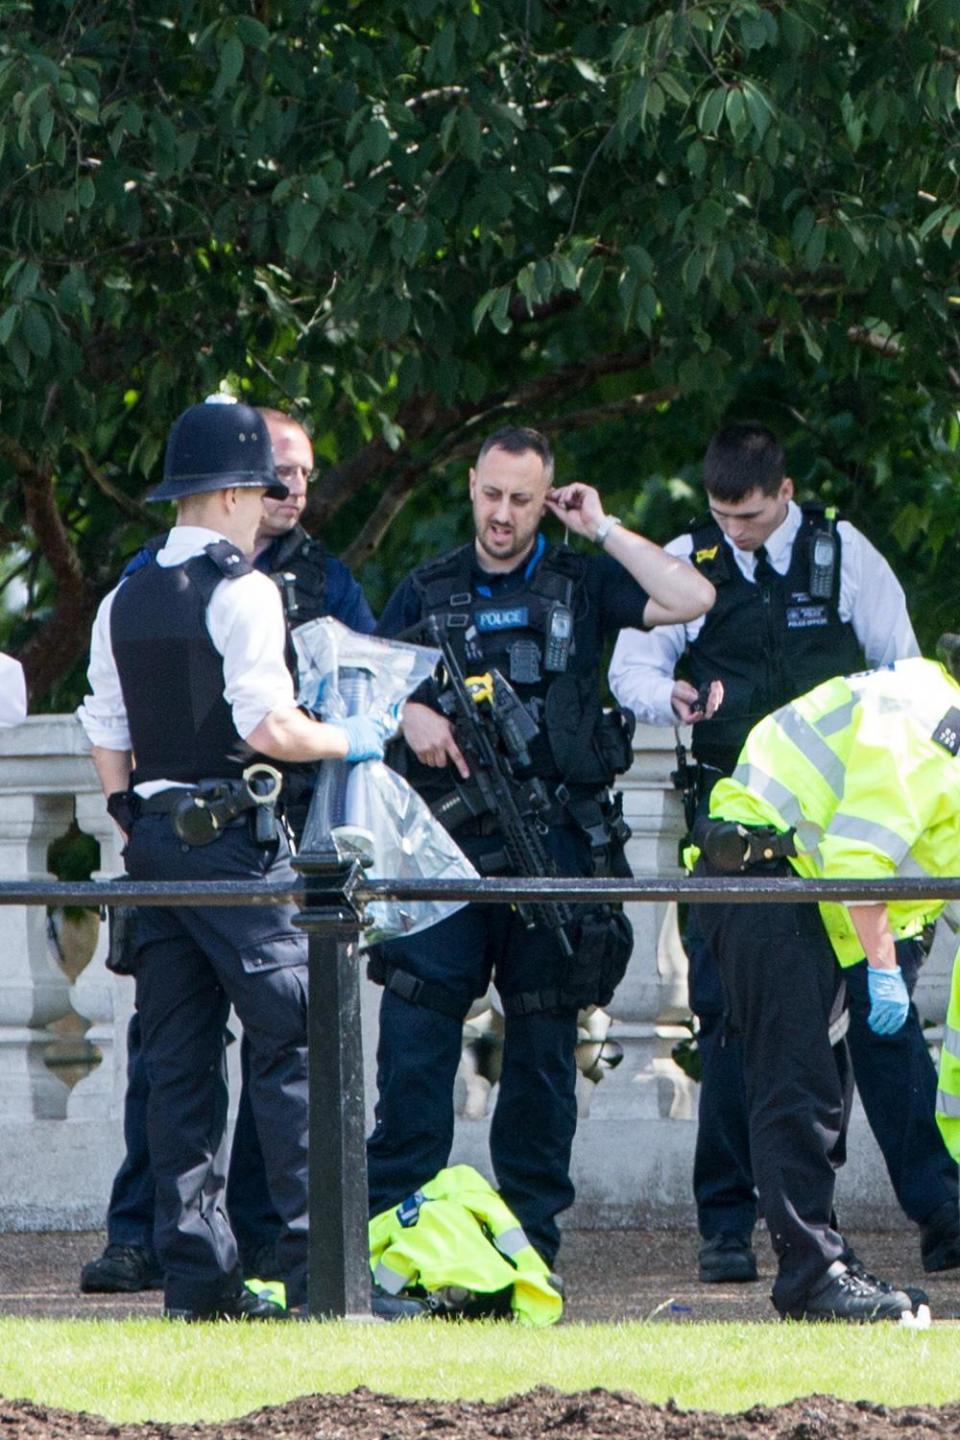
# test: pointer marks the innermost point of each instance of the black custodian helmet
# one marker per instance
(218, 446)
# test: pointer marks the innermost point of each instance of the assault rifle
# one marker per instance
(494, 729)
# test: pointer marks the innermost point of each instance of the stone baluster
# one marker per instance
(34, 991)
(93, 991)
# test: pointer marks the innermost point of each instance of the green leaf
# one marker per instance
(590, 277)
(471, 135)
(231, 63)
(526, 284)
(36, 331)
(414, 239)
(816, 246)
(252, 32)
(950, 227)
(26, 281)
(758, 107)
(498, 310)
(736, 113)
(7, 322)
(803, 223)
(711, 110)
(45, 130)
(481, 308)
(753, 32)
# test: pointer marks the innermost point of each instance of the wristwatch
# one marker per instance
(605, 526)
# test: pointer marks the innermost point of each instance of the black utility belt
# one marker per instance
(732, 847)
(200, 813)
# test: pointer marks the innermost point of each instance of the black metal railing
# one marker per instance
(331, 895)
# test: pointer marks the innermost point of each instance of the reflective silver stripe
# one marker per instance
(839, 1027)
(389, 1280)
(811, 746)
(838, 719)
(951, 1041)
(948, 1105)
(910, 865)
(881, 837)
(511, 1242)
(783, 800)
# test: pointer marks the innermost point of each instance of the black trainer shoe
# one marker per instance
(850, 1297)
(727, 1259)
(396, 1307)
(940, 1239)
(856, 1267)
(121, 1269)
(242, 1306)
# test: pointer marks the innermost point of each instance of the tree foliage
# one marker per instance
(409, 220)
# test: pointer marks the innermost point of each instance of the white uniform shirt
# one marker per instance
(871, 600)
(246, 626)
(13, 691)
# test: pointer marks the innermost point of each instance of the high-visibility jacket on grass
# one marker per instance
(948, 1087)
(866, 768)
(457, 1231)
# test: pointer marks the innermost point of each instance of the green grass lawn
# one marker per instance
(148, 1369)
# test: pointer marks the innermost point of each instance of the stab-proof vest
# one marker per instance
(768, 642)
(171, 675)
(508, 632)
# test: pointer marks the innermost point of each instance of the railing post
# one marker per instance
(338, 1282)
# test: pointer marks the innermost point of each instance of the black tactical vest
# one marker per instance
(303, 559)
(767, 642)
(181, 727)
(577, 743)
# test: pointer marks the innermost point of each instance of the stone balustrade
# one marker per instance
(63, 1020)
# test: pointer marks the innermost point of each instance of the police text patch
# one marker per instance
(947, 732)
(514, 617)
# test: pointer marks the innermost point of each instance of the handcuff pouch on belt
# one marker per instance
(732, 848)
(199, 816)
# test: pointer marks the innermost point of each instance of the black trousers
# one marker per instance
(190, 965)
(780, 978)
(531, 1134)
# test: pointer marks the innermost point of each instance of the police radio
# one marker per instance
(559, 637)
(823, 557)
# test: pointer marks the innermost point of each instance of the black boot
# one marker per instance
(727, 1259)
(120, 1270)
(940, 1239)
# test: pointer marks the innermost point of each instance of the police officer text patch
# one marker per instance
(513, 617)
(947, 732)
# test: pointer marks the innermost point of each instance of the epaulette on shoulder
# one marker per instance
(440, 565)
(231, 562)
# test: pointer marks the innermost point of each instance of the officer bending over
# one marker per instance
(801, 596)
(858, 779)
(188, 675)
(539, 613)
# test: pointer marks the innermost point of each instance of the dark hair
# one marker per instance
(741, 458)
(517, 440)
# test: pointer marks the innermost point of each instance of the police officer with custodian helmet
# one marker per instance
(539, 613)
(189, 689)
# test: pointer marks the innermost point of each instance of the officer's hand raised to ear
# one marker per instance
(578, 506)
(430, 737)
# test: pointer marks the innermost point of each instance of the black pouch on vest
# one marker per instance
(590, 746)
(602, 946)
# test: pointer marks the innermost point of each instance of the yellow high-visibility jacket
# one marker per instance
(459, 1232)
(948, 1088)
(866, 768)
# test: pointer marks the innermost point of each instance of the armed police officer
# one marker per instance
(190, 691)
(312, 583)
(800, 597)
(538, 613)
(858, 779)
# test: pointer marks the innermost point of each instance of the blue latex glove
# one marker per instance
(889, 1001)
(367, 734)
